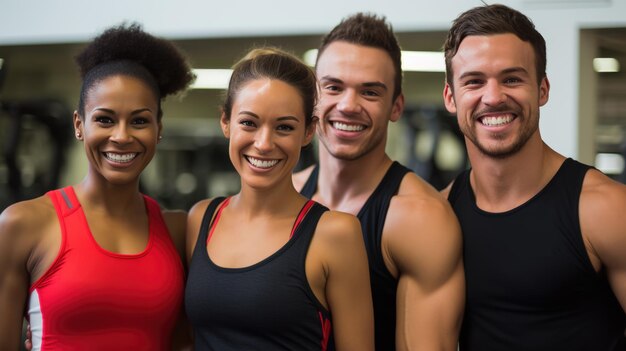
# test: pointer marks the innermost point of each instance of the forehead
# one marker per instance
(492, 54)
(269, 97)
(121, 88)
(355, 63)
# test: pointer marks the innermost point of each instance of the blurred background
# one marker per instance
(39, 85)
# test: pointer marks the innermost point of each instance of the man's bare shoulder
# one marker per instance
(300, 178)
(603, 199)
(421, 227)
(416, 193)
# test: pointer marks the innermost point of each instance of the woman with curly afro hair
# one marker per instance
(97, 265)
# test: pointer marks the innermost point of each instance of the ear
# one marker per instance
(397, 108)
(78, 126)
(448, 99)
(159, 132)
(544, 91)
(225, 124)
(309, 133)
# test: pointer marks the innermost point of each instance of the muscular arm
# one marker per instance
(347, 286)
(603, 225)
(14, 277)
(423, 242)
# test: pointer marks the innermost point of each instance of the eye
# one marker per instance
(371, 93)
(285, 128)
(103, 120)
(473, 82)
(332, 88)
(140, 121)
(512, 80)
(247, 123)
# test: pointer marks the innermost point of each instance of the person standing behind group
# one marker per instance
(270, 270)
(412, 237)
(95, 260)
(544, 236)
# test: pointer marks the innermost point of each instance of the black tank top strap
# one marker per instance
(459, 184)
(387, 188)
(207, 220)
(310, 187)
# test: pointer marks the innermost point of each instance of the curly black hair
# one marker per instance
(128, 50)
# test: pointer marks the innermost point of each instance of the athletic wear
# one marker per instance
(93, 299)
(372, 217)
(530, 283)
(266, 306)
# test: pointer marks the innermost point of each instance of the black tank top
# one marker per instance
(372, 217)
(530, 283)
(266, 306)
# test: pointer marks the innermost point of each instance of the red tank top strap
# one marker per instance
(217, 217)
(305, 209)
(64, 200)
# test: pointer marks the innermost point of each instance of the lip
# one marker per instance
(263, 159)
(347, 134)
(497, 127)
(120, 164)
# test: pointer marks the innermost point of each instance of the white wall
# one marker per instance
(32, 21)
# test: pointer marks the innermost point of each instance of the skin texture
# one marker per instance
(268, 124)
(510, 162)
(357, 90)
(120, 117)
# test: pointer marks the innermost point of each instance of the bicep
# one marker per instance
(431, 286)
(348, 288)
(603, 224)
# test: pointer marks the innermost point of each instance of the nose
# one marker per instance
(121, 134)
(263, 140)
(494, 94)
(349, 102)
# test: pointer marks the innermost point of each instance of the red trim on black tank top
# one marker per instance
(325, 331)
(301, 216)
(217, 217)
(299, 219)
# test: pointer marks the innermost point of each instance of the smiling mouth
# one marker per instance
(495, 121)
(344, 127)
(261, 163)
(120, 158)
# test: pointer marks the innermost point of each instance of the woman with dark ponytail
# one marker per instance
(96, 265)
(269, 269)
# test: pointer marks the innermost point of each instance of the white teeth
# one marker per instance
(261, 163)
(121, 158)
(496, 121)
(348, 127)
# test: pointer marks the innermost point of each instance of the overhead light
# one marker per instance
(609, 163)
(605, 64)
(211, 78)
(415, 61)
(423, 61)
(309, 57)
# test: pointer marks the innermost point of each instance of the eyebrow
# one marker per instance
(506, 71)
(283, 118)
(366, 84)
(107, 110)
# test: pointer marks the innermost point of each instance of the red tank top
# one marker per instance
(93, 299)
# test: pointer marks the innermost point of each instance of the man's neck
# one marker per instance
(345, 185)
(502, 184)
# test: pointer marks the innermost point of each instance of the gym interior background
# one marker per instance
(39, 87)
